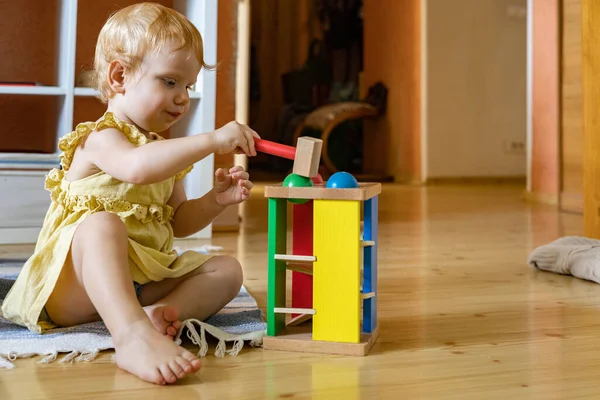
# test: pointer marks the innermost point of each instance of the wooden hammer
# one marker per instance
(306, 154)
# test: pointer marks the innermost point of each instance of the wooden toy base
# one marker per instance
(299, 339)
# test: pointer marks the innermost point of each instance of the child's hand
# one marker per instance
(232, 188)
(235, 137)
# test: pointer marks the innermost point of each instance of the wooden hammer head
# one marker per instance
(308, 156)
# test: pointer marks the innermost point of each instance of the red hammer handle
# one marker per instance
(275, 149)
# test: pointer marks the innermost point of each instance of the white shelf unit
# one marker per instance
(22, 175)
(33, 90)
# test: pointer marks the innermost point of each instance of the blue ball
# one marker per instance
(342, 180)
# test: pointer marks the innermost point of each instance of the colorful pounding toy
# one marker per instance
(325, 260)
(342, 180)
(334, 265)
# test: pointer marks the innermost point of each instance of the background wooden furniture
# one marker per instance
(325, 119)
(52, 42)
(571, 114)
(591, 100)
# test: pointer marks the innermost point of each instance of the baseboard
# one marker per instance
(205, 233)
(543, 198)
(225, 228)
(477, 180)
(373, 177)
(571, 202)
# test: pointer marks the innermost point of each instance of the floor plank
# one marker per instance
(461, 314)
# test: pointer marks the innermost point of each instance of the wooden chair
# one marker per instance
(327, 117)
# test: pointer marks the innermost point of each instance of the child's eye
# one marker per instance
(190, 87)
(170, 82)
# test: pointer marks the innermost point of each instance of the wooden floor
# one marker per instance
(462, 316)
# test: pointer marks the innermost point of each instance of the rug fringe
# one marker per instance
(237, 347)
(69, 357)
(87, 356)
(203, 343)
(50, 358)
(199, 339)
(220, 350)
(4, 363)
(80, 356)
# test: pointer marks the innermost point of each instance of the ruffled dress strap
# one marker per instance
(183, 173)
(68, 144)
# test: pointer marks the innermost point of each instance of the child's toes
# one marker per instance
(193, 360)
(176, 325)
(184, 364)
(170, 314)
(166, 372)
(154, 376)
(176, 368)
(171, 331)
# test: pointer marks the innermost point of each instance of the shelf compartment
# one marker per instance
(30, 122)
(30, 41)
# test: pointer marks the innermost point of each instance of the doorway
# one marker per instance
(304, 54)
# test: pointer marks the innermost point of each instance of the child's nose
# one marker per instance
(182, 98)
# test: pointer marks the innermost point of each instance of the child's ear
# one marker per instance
(116, 77)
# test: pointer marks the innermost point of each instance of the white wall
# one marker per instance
(476, 87)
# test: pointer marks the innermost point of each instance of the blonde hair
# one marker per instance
(138, 30)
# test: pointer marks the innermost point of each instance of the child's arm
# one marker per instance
(192, 216)
(110, 151)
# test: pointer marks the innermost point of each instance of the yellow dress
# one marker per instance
(143, 209)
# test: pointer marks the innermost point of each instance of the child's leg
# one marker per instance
(97, 279)
(200, 293)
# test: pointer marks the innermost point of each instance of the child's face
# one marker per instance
(157, 95)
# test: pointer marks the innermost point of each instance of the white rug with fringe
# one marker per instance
(239, 321)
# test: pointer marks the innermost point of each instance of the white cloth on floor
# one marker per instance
(570, 255)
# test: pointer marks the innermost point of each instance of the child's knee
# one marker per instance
(231, 271)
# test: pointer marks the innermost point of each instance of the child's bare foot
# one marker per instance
(152, 356)
(165, 319)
